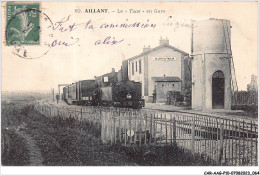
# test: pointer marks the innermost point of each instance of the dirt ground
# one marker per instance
(29, 138)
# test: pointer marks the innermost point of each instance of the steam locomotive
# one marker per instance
(111, 89)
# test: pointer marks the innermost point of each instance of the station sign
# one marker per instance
(164, 59)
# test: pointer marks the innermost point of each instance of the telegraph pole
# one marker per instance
(53, 94)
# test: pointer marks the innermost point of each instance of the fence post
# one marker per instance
(135, 130)
(220, 152)
(102, 125)
(256, 141)
(145, 134)
(81, 112)
(114, 121)
(155, 120)
(166, 131)
(120, 128)
(239, 143)
(110, 129)
(193, 136)
(130, 127)
(105, 125)
(151, 129)
(125, 129)
(174, 130)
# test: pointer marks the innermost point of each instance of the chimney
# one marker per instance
(113, 70)
(146, 48)
(164, 41)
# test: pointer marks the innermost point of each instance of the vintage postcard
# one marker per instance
(130, 84)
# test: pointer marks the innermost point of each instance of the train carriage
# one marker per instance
(85, 92)
(65, 93)
(72, 94)
(81, 92)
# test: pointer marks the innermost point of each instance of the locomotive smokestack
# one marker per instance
(125, 70)
(120, 75)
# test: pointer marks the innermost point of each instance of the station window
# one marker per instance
(140, 66)
(133, 69)
(105, 79)
(136, 66)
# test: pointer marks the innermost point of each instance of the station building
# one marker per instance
(160, 69)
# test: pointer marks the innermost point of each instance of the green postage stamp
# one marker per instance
(22, 24)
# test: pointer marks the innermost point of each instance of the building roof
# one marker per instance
(156, 48)
(166, 79)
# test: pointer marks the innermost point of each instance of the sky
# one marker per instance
(89, 56)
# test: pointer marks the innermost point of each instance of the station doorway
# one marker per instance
(218, 90)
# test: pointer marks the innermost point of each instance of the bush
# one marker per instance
(251, 108)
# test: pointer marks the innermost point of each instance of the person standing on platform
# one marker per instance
(154, 96)
(57, 97)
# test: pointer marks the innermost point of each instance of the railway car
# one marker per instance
(82, 92)
(65, 93)
(85, 92)
(72, 94)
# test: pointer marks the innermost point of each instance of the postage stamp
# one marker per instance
(22, 24)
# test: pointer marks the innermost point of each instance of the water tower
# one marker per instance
(212, 65)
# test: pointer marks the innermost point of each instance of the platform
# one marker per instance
(216, 112)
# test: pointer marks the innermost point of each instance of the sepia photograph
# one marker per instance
(130, 84)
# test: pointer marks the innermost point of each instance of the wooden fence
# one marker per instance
(223, 141)
(137, 128)
(218, 140)
(87, 118)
